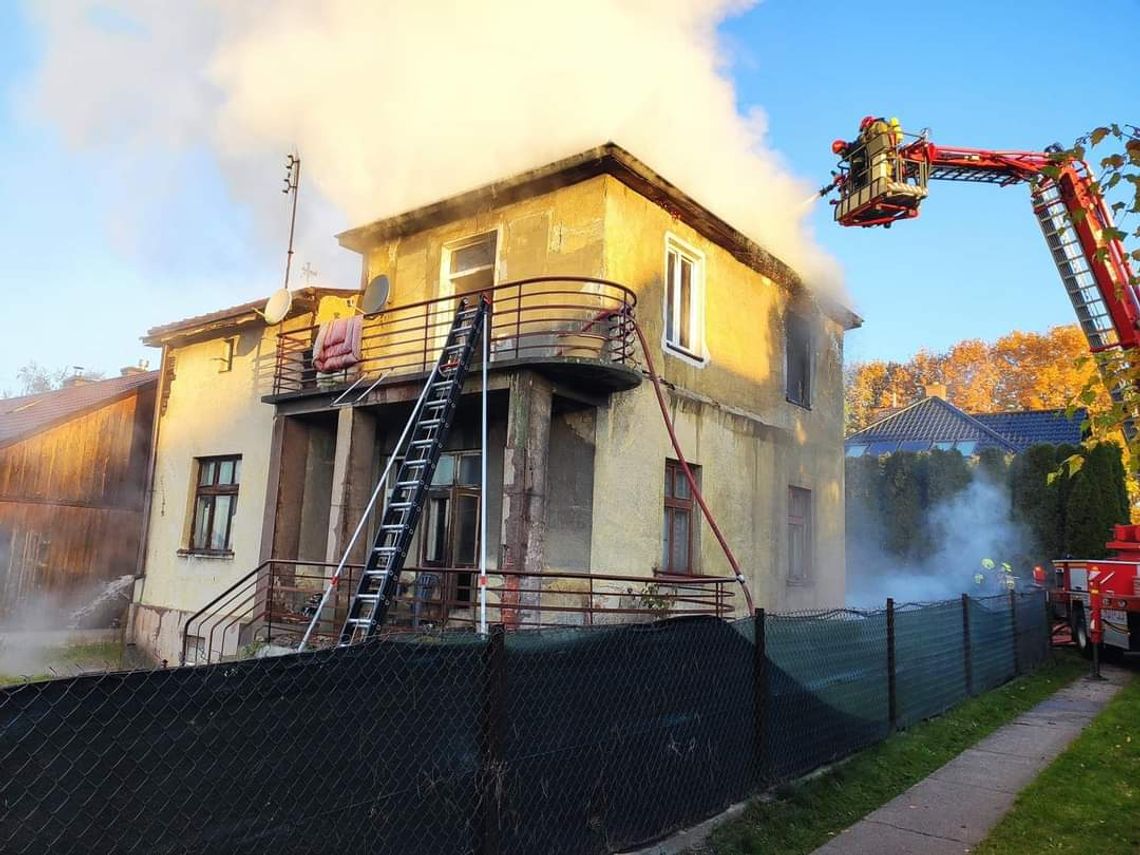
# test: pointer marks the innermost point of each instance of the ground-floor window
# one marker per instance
(449, 529)
(799, 534)
(215, 503)
(678, 530)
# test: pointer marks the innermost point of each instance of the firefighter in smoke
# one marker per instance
(994, 578)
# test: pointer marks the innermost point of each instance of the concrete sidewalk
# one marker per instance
(957, 805)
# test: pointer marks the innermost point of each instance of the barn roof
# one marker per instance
(30, 414)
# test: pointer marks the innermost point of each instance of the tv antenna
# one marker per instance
(292, 182)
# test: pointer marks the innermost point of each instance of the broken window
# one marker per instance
(215, 503)
(684, 299)
(799, 534)
(798, 347)
(678, 530)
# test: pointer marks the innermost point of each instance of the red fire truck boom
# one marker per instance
(883, 178)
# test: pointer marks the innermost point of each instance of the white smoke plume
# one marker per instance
(396, 104)
(968, 527)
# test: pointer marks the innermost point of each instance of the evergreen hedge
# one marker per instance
(1066, 511)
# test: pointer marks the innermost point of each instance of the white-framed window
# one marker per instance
(469, 264)
(684, 299)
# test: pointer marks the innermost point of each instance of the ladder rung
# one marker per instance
(431, 423)
(422, 443)
(385, 549)
(394, 527)
(360, 621)
(400, 506)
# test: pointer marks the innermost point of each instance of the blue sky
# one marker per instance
(973, 265)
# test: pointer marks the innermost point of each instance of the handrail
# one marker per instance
(546, 317)
(273, 597)
(252, 574)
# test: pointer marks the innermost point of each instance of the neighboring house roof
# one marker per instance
(927, 424)
(608, 159)
(934, 423)
(304, 300)
(1025, 428)
(30, 414)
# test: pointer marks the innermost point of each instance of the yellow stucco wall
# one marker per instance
(732, 419)
(209, 412)
(557, 233)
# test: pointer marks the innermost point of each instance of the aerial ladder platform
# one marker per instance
(883, 178)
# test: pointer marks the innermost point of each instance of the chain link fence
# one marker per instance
(583, 740)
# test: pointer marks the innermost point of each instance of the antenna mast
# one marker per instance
(292, 182)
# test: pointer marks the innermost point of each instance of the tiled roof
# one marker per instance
(930, 423)
(29, 414)
(1031, 427)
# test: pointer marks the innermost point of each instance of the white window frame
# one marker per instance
(670, 338)
(446, 277)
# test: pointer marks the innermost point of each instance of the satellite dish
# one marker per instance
(375, 295)
(277, 306)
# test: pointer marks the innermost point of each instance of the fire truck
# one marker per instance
(883, 177)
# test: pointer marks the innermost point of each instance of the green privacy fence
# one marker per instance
(576, 740)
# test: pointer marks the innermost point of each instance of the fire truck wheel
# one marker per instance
(1080, 630)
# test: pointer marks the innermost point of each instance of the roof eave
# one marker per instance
(608, 159)
(235, 318)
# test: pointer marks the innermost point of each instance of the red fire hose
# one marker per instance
(652, 372)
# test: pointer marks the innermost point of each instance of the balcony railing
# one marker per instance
(553, 319)
(268, 609)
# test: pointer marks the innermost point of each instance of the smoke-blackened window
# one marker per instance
(798, 347)
(215, 503)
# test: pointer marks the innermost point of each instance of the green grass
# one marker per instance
(804, 816)
(69, 661)
(1088, 800)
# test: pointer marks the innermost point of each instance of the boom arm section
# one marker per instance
(883, 177)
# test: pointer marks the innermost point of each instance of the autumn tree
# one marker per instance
(1118, 182)
(1021, 370)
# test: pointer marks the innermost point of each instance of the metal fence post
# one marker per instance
(1013, 631)
(493, 727)
(892, 682)
(759, 695)
(967, 650)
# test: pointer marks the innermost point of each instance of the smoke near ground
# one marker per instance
(60, 633)
(967, 527)
(396, 104)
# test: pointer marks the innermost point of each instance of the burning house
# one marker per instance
(271, 437)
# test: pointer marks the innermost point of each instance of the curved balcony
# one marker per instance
(575, 328)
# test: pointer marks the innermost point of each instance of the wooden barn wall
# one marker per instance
(71, 502)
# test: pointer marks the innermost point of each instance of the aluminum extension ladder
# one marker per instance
(379, 581)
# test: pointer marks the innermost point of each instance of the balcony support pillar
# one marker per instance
(525, 459)
(353, 480)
